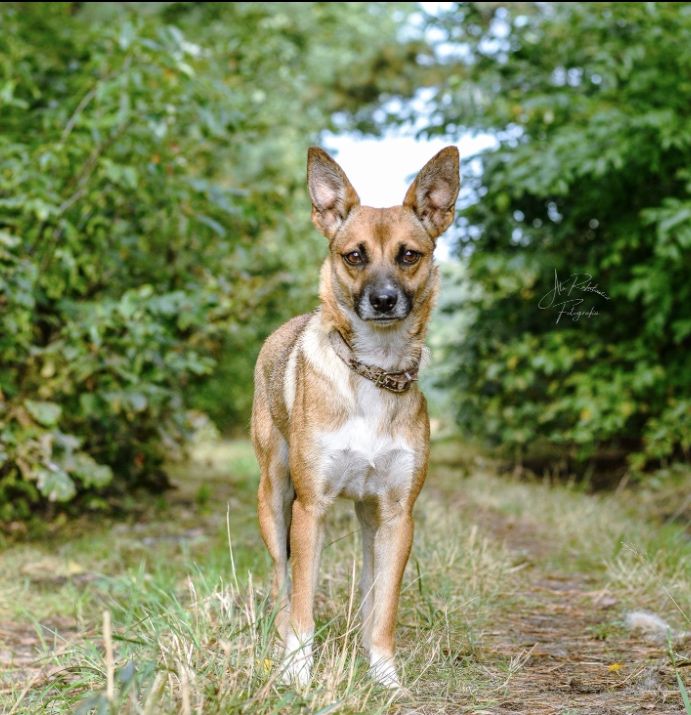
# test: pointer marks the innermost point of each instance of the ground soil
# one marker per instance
(572, 653)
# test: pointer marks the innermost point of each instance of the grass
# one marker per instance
(514, 601)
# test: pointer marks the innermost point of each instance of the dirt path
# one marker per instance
(569, 651)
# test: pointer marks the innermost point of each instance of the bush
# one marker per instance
(590, 176)
(151, 209)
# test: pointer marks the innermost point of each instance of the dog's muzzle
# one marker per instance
(382, 301)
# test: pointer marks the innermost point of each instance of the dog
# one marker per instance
(337, 411)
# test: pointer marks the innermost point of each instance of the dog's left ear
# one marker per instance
(333, 196)
(433, 194)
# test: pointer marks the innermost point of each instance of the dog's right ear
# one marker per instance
(333, 196)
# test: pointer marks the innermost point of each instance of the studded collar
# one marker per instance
(396, 382)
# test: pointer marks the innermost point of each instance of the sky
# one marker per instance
(382, 168)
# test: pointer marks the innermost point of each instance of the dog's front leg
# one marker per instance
(306, 538)
(392, 543)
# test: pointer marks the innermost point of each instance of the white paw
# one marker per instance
(297, 660)
(383, 671)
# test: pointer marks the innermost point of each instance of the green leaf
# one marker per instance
(90, 472)
(55, 483)
(137, 401)
(45, 413)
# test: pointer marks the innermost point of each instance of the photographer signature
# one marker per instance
(559, 297)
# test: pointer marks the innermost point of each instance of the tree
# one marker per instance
(591, 107)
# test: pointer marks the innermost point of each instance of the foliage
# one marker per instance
(590, 103)
(152, 212)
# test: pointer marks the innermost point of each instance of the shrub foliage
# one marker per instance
(589, 185)
(152, 214)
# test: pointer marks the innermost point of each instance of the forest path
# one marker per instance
(567, 643)
(514, 602)
(563, 635)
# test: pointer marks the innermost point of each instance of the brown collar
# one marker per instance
(392, 381)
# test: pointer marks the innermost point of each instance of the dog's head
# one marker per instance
(381, 259)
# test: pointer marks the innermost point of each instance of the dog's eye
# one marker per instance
(410, 257)
(354, 258)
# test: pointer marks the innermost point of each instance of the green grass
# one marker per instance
(505, 574)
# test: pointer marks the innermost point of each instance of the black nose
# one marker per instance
(383, 301)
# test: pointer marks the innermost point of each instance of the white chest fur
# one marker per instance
(363, 459)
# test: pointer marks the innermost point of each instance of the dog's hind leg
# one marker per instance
(276, 496)
(366, 514)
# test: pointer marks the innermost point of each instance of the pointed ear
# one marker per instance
(433, 194)
(333, 196)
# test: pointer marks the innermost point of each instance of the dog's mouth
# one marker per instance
(384, 321)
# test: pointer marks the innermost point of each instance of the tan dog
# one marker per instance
(336, 410)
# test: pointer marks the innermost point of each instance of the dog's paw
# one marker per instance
(383, 671)
(297, 662)
(297, 672)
